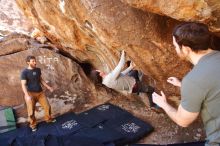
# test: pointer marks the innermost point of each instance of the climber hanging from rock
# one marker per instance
(128, 80)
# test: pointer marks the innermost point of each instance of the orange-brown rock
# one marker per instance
(206, 11)
(95, 31)
(177, 9)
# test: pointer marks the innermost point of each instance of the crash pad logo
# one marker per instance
(103, 107)
(69, 124)
(130, 128)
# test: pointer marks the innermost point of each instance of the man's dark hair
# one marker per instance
(29, 58)
(194, 35)
(215, 43)
(95, 77)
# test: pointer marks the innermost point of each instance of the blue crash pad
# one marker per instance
(103, 125)
(131, 128)
(100, 114)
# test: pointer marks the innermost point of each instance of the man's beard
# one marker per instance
(185, 58)
(33, 66)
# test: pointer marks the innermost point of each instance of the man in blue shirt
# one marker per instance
(31, 81)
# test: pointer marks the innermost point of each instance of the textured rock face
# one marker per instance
(72, 88)
(12, 19)
(206, 11)
(178, 9)
(15, 43)
(95, 31)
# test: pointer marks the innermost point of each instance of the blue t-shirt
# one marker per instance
(33, 78)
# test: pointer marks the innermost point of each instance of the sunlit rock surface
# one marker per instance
(12, 19)
(95, 31)
(205, 11)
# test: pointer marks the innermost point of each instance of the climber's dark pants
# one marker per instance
(140, 86)
(134, 74)
(144, 88)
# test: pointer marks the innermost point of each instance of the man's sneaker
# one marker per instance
(34, 129)
(51, 121)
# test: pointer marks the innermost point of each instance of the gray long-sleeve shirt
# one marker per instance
(118, 80)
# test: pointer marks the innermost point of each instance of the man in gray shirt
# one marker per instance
(200, 88)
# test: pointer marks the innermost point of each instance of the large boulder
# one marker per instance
(72, 87)
(206, 11)
(95, 31)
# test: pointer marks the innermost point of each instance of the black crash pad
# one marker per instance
(105, 124)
